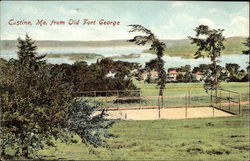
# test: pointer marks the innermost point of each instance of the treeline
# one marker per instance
(103, 75)
(230, 73)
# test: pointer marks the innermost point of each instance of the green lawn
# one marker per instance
(186, 139)
(175, 95)
(190, 139)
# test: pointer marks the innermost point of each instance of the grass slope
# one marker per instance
(217, 139)
(233, 45)
(191, 139)
(188, 139)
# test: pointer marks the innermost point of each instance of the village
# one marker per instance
(182, 74)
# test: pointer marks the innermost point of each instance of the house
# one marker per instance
(172, 75)
(154, 75)
(199, 76)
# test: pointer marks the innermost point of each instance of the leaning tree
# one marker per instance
(210, 44)
(158, 47)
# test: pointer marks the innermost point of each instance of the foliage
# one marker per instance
(34, 102)
(84, 122)
(235, 74)
(212, 45)
(103, 75)
(158, 47)
(37, 106)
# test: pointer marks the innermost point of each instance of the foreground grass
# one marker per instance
(190, 139)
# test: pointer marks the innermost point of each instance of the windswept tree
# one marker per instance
(210, 44)
(158, 48)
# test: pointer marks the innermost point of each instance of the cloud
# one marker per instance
(27, 9)
(169, 24)
(238, 26)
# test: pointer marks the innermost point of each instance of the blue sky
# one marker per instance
(167, 19)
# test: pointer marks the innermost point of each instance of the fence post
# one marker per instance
(140, 98)
(186, 105)
(162, 101)
(117, 92)
(229, 100)
(220, 98)
(189, 98)
(239, 104)
(159, 105)
(106, 96)
(212, 101)
(211, 98)
(95, 97)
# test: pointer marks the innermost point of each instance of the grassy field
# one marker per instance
(191, 139)
(180, 88)
(203, 139)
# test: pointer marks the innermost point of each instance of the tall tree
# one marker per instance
(210, 44)
(158, 47)
(27, 54)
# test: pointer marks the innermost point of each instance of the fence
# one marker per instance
(225, 100)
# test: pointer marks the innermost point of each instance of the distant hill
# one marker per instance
(11, 44)
(181, 48)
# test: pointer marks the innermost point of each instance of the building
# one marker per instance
(172, 75)
(199, 76)
(154, 75)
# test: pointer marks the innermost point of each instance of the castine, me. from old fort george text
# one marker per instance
(42, 22)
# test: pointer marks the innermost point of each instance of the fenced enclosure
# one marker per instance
(226, 100)
(174, 103)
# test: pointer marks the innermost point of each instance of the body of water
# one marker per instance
(117, 51)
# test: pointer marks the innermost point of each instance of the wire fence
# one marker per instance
(224, 100)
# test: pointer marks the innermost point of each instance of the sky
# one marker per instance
(166, 19)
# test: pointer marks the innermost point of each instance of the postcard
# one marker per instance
(124, 80)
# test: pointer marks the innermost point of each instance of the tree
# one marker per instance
(27, 54)
(235, 74)
(96, 77)
(37, 106)
(211, 46)
(158, 47)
